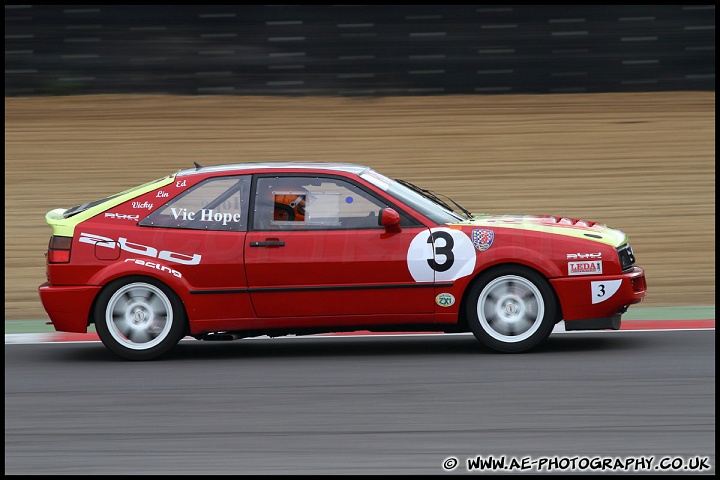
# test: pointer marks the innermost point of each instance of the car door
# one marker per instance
(316, 249)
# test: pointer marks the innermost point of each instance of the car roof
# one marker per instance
(260, 166)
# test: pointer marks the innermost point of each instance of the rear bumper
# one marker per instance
(68, 307)
(599, 297)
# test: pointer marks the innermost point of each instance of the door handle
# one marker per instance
(268, 243)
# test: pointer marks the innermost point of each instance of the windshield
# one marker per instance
(424, 201)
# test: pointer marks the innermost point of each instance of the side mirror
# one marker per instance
(390, 219)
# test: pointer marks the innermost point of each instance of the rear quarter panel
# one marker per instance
(191, 262)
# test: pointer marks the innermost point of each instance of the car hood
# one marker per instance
(572, 227)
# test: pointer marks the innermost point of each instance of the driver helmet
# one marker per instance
(289, 207)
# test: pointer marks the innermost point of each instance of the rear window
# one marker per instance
(214, 204)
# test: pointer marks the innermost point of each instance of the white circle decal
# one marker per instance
(441, 254)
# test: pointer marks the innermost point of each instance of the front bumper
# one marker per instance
(606, 323)
(596, 297)
(68, 306)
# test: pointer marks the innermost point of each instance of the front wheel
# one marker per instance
(139, 318)
(512, 309)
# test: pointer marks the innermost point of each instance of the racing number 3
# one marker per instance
(445, 250)
(601, 290)
(440, 255)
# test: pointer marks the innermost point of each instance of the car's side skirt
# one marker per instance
(318, 288)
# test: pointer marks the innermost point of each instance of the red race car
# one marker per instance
(233, 251)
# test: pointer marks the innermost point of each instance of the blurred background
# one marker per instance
(357, 49)
(598, 112)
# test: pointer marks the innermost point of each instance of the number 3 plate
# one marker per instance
(442, 254)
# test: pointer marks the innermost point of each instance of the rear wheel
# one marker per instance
(512, 309)
(139, 318)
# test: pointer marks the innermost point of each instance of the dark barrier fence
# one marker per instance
(357, 50)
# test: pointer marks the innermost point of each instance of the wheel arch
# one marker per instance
(123, 268)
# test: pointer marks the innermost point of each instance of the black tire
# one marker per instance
(512, 309)
(139, 318)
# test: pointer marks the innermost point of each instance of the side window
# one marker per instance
(297, 203)
(214, 204)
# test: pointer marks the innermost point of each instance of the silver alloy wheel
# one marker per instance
(510, 308)
(139, 316)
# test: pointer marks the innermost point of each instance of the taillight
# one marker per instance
(59, 249)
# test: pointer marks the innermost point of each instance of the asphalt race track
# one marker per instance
(365, 405)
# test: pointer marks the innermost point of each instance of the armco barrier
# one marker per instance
(357, 49)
